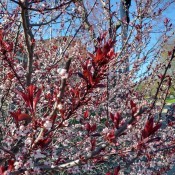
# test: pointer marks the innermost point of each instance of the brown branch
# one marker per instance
(50, 9)
(85, 16)
(7, 151)
(163, 77)
(29, 41)
(45, 23)
(12, 68)
(16, 39)
(55, 110)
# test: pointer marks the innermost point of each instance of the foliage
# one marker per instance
(170, 101)
(72, 106)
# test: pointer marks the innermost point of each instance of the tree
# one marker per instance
(166, 50)
(68, 110)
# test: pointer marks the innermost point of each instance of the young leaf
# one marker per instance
(36, 99)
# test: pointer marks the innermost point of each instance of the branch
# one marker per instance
(7, 151)
(49, 9)
(12, 68)
(74, 35)
(85, 16)
(29, 42)
(60, 96)
(163, 77)
(45, 23)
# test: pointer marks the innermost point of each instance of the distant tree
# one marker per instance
(165, 52)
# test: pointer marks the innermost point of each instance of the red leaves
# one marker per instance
(18, 116)
(10, 75)
(36, 99)
(110, 136)
(90, 128)
(115, 118)
(87, 127)
(10, 167)
(29, 98)
(93, 144)
(104, 53)
(2, 170)
(99, 56)
(149, 129)
(7, 46)
(88, 76)
(86, 114)
(115, 172)
(133, 107)
(43, 143)
(160, 76)
(94, 68)
(23, 116)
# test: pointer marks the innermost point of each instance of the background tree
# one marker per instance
(166, 50)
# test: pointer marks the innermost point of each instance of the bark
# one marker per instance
(29, 38)
(124, 14)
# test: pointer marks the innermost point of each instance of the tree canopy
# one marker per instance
(69, 77)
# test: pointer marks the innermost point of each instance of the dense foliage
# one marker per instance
(70, 74)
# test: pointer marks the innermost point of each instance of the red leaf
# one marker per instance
(23, 116)
(117, 119)
(2, 170)
(10, 165)
(133, 105)
(110, 136)
(170, 53)
(99, 55)
(28, 97)
(15, 116)
(7, 46)
(111, 53)
(86, 114)
(112, 116)
(53, 118)
(160, 76)
(18, 116)
(93, 144)
(33, 41)
(91, 55)
(93, 127)
(31, 90)
(134, 110)
(149, 129)
(116, 170)
(24, 96)
(156, 128)
(149, 125)
(44, 142)
(36, 99)
(55, 47)
(103, 35)
(10, 75)
(88, 127)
